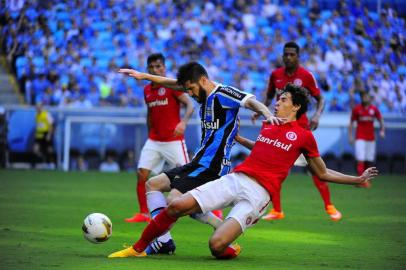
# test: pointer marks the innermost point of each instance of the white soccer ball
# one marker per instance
(97, 228)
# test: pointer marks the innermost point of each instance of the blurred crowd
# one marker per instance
(66, 54)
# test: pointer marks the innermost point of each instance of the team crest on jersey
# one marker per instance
(371, 112)
(298, 82)
(161, 91)
(248, 221)
(291, 136)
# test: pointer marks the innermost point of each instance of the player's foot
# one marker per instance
(218, 213)
(127, 252)
(139, 217)
(230, 252)
(333, 213)
(365, 184)
(274, 215)
(157, 247)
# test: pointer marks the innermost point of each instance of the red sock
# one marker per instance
(228, 253)
(276, 202)
(159, 225)
(323, 189)
(360, 167)
(142, 198)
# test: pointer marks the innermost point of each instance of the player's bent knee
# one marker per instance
(158, 183)
(217, 245)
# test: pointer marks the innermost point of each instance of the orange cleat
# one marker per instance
(274, 215)
(333, 213)
(139, 217)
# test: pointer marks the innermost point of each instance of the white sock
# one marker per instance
(208, 218)
(156, 202)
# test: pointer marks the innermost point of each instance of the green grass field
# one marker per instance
(42, 214)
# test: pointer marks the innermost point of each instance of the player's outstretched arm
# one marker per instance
(261, 109)
(181, 126)
(247, 143)
(318, 167)
(165, 81)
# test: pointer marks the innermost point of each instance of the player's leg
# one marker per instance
(183, 205)
(149, 159)
(370, 148)
(276, 212)
(360, 156)
(250, 200)
(221, 240)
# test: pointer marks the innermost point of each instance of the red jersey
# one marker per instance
(365, 116)
(302, 77)
(275, 151)
(164, 112)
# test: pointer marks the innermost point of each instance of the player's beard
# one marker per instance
(202, 95)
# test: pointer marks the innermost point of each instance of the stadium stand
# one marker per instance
(78, 45)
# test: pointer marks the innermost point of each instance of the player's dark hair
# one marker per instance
(300, 96)
(192, 72)
(292, 44)
(155, 57)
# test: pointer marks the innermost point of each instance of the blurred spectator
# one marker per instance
(80, 164)
(128, 163)
(109, 165)
(43, 145)
(83, 43)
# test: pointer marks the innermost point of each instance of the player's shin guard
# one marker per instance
(159, 225)
(323, 190)
(142, 199)
(156, 203)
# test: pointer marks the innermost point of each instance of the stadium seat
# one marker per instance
(347, 164)
(331, 161)
(398, 164)
(383, 163)
(92, 156)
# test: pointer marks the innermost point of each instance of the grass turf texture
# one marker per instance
(42, 214)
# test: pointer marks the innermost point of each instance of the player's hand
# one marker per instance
(382, 134)
(351, 139)
(254, 117)
(132, 73)
(275, 120)
(314, 123)
(179, 129)
(368, 174)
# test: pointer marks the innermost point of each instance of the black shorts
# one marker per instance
(190, 176)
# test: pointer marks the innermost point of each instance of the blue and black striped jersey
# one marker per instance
(219, 114)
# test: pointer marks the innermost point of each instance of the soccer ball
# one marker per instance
(97, 228)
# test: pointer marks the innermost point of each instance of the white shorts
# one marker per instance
(365, 150)
(248, 198)
(154, 154)
(301, 161)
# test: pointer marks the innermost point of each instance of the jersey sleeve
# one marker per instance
(310, 148)
(230, 97)
(311, 85)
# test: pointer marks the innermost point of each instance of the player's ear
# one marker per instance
(296, 108)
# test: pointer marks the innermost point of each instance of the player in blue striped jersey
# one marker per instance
(219, 109)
